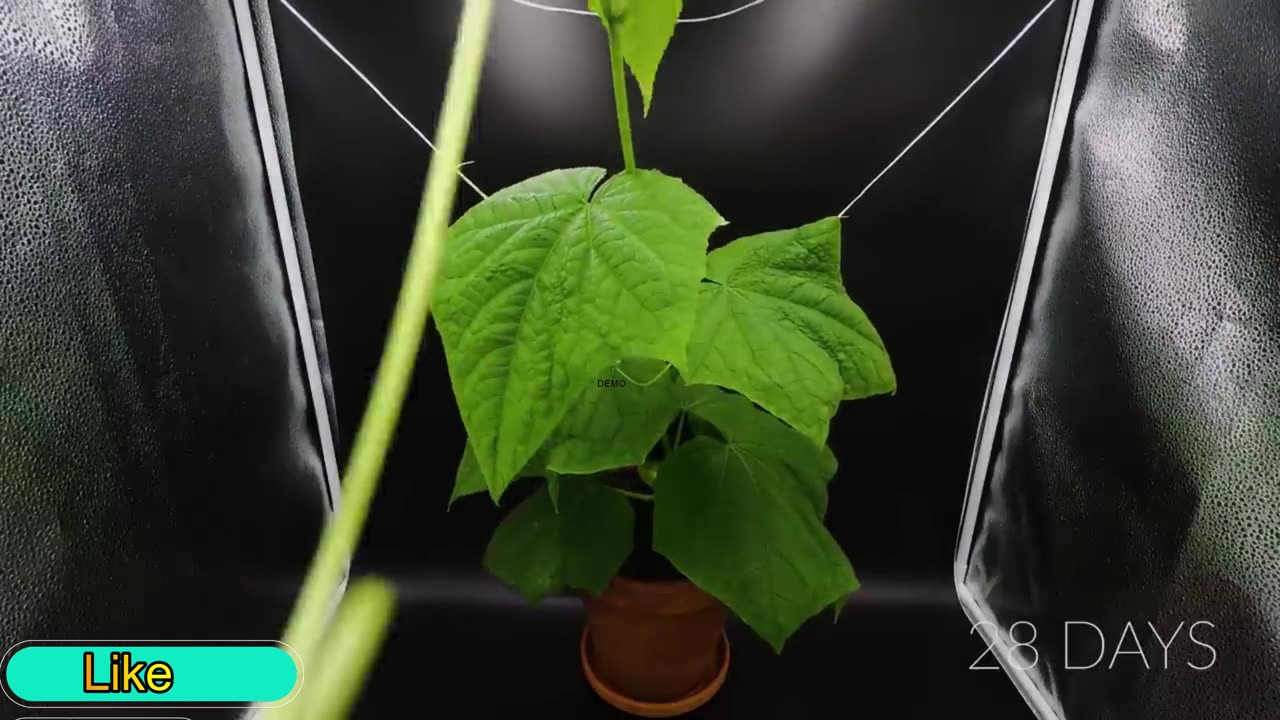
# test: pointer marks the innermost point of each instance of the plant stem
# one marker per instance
(633, 494)
(618, 369)
(338, 543)
(350, 650)
(619, 90)
(679, 429)
(648, 474)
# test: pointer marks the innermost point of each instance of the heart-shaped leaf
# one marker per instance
(776, 324)
(552, 279)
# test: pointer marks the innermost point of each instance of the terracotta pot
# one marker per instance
(655, 649)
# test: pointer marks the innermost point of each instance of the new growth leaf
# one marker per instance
(643, 29)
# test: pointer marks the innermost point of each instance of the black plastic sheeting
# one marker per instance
(1134, 481)
(163, 473)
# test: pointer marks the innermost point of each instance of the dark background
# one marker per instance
(779, 116)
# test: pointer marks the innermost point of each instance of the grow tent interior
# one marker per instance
(166, 434)
(779, 115)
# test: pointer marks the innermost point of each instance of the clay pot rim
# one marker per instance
(655, 597)
(664, 585)
(640, 708)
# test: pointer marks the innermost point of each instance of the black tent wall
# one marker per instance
(165, 463)
(1126, 487)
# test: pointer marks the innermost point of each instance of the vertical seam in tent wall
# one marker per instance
(293, 268)
(1059, 117)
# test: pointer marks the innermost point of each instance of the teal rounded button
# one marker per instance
(54, 674)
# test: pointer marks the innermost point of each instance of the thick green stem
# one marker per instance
(311, 614)
(619, 90)
(350, 651)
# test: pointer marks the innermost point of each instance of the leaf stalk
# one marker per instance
(645, 497)
(621, 104)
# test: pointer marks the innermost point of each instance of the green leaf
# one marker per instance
(837, 607)
(619, 419)
(699, 427)
(775, 323)
(540, 552)
(771, 445)
(468, 480)
(830, 465)
(552, 279)
(643, 29)
(748, 535)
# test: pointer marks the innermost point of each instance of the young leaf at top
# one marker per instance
(552, 279)
(775, 324)
(749, 535)
(540, 552)
(773, 447)
(618, 420)
(643, 29)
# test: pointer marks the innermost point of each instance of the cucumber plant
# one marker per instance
(590, 336)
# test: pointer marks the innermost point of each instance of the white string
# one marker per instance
(575, 11)
(1016, 39)
(722, 15)
(552, 8)
(529, 3)
(375, 89)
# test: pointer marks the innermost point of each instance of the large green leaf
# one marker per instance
(771, 445)
(552, 279)
(830, 465)
(468, 480)
(540, 552)
(837, 607)
(643, 29)
(618, 420)
(775, 323)
(748, 535)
